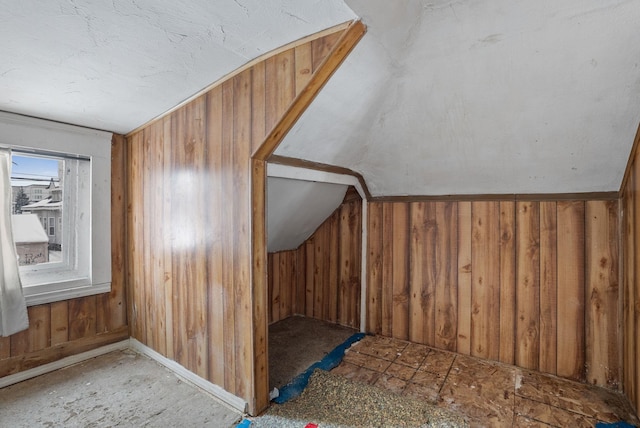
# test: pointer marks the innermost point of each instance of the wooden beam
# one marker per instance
(317, 166)
(345, 44)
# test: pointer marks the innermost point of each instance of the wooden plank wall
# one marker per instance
(61, 329)
(531, 283)
(631, 283)
(321, 278)
(189, 200)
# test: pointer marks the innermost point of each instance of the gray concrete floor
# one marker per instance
(121, 389)
(297, 342)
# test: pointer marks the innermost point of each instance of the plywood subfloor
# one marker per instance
(297, 342)
(486, 393)
(121, 388)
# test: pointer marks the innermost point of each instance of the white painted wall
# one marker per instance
(296, 208)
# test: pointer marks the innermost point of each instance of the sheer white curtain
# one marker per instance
(13, 309)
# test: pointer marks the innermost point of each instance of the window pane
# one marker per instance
(37, 207)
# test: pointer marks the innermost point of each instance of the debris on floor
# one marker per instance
(331, 401)
(330, 361)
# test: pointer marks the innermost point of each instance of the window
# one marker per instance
(79, 262)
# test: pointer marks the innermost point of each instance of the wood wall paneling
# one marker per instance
(324, 271)
(197, 263)
(509, 275)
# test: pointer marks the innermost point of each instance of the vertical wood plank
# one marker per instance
(318, 273)
(417, 213)
(355, 248)
(293, 274)
(285, 282)
(148, 135)
(326, 298)
(259, 236)
(82, 322)
(321, 48)
(181, 237)
(258, 108)
(5, 347)
(216, 303)
(400, 268)
(304, 66)
(136, 291)
(280, 68)
(528, 284)
(507, 281)
(19, 343)
(334, 271)
(301, 283)
(345, 314)
(570, 235)
(59, 322)
(485, 280)
(112, 306)
(387, 268)
(463, 344)
(275, 287)
(446, 276)
(548, 287)
(168, 283)
(629, 272)
(226, 218)
(39, 327)
(243, 302)
(430, 259)
(375, 272)
(274, 300)
(601, 293)
(636, 283)
(159, 226)
(197, 291)
(310, 280)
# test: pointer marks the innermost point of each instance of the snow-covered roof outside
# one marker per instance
(27, 229)
(44, 203)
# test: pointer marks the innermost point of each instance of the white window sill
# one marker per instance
(63, 291)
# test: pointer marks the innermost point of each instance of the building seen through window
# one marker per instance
(37, 187)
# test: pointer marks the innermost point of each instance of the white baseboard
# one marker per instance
(226, 397)
(64, 362)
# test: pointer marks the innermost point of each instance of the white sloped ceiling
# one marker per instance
(482, 97)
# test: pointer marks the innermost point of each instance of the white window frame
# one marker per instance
(91, 271)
